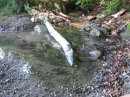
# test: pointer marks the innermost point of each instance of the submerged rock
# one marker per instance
(40, 29)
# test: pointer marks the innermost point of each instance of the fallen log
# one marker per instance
(68, 52)
(122, 11)
(61, 14)
(90, 17)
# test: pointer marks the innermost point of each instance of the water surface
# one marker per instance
(48, 64)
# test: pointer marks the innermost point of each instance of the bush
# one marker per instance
(2, 3)
(115, 5)
(88, 5)
(112, 6)
(84, 2)
(10, 6)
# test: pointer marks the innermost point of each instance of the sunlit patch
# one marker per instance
(19, 62)
(26, 68)
(2, 54)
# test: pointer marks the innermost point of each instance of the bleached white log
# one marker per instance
(41, 29)
(119, 13)
(62, 41)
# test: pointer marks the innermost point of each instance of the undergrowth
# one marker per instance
(112, 6)
(115, 5)
(9, 7)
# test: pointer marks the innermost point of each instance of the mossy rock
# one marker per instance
(95, 32)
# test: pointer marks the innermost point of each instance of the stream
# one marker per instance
(34, 68)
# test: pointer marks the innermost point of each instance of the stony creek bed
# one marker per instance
(51, 75)
(32, 68)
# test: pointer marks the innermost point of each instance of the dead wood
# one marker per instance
(61, 14)
(91, 17)
(122, 11)
(117, 31)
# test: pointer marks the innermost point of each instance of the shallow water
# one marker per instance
(48, 64)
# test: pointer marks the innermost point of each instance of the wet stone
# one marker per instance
(103, 31)
(95, 32)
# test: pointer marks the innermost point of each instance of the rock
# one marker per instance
(33, 19)
(95, 54)
(102, 30)
(95, 32)
(40, 29)
(85, 25)
(39, 46)
(126, 34)
(87, 59)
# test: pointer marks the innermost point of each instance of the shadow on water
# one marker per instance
(47, 63)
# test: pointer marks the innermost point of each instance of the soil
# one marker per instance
(111, 80)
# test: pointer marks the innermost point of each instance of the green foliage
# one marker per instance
(128, 25)
(87, 4)
(28, 9)
(126, 4)
(9, 7)
(114, 5)
(84, 2)
(127, 7)
(2, 3)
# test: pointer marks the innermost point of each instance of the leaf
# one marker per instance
(128, 25)
(79, 2)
